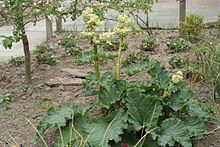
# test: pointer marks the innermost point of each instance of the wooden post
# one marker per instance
(49, 28)
(182, 10)
(59, 25)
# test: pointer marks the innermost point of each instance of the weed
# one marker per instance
(4, 101)
(16, 61)
(177, 45)
(24, 88)
(44, 54)
(149, 44)
(40, 85)
(5, 98)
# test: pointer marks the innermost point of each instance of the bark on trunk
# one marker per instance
(26, 55)
(59, 25)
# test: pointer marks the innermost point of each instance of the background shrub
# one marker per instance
(192, 28)
(149, 44)
(44, 54)
(68, 44)
(16, 61)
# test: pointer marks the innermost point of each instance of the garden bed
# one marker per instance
(33, 102)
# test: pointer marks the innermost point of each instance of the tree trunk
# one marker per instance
(59, 25)
(182, 10)
(26, 55)
(49, 28)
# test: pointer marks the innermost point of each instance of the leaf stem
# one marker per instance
(118, 64)
(96, 60)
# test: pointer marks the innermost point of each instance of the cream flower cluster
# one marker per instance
(91, 20)
(178, 77)
(123, 25)
(107, 37)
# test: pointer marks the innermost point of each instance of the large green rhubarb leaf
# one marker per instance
(137, 68)
(195, 127)
(73, 132)
(105, 129)
(181, 98)
(173, 131)
(143, 109)
(159, 74)
(112, 93)
(58, 117)
(201, 112)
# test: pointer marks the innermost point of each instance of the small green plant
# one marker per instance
(177, 45)
(68, 43)
(177, 62)
(149, 44)
(16, 61)
(44, 54)
(112, 46)
(40, 85)
(5, 99)
(135, 58)
(192, 28)
(24, 88)
(71, 51)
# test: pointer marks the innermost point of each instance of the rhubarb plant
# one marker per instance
(159, 111)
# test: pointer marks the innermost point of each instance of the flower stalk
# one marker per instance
(96, 60)
(118, 64)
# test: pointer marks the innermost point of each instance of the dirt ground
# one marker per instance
(33, 103)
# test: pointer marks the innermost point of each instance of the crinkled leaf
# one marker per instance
(174, 130)
(112, 93)
(159, 74)
(92, 85)
(201, 112)
(195, 127)
(181, 97)
(105, 129)
(58, 117)
(143, 109)
(137, 68)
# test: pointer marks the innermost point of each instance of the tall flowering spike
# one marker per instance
(123, 25)
(91, 20)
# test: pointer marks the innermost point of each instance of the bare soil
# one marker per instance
(33, 103)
